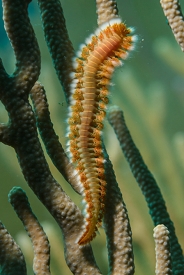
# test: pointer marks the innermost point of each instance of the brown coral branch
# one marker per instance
(41, 248)
(148, 185)
(172, 11)
(49, 137)
(4, 133)
(11, 257)
(106, 10)
(20, 33)
(117, 227)
(58, 41)
(162, 250)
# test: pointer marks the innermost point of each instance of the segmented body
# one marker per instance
(89, 90)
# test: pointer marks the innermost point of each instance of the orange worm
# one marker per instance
(93, 69)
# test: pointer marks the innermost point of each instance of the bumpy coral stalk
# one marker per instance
(50, 138)
(148, 185)
(117, 227)
(58, 41)
(41, 248)
(172, 11)
(11, 258)
(162, 250)
(106, 10)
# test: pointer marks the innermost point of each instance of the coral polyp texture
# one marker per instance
(162, 250)
(172, 11)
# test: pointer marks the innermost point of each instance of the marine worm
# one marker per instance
(93, 68)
